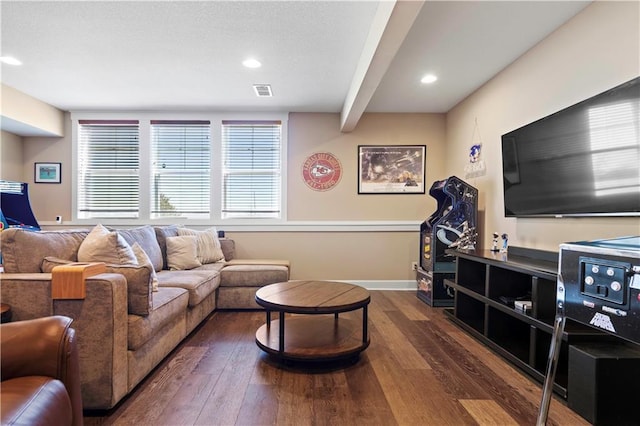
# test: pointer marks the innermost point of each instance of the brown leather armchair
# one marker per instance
(40, 373)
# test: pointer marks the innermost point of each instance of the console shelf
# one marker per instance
(486, 285)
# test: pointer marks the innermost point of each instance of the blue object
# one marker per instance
(15, 206)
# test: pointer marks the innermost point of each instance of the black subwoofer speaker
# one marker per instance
(604, 382)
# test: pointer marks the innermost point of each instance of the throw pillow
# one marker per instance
(101, 245)
(146, 237)
(162, 233)
(209, 250)
(143, 260)
(182, 252)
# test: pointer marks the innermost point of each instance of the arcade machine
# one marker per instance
(599, 286)
(15, 207)
(452, 225)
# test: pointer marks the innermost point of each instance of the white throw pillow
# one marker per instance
(101, 245)
(182, 252)
(144, 260)
(209, 249)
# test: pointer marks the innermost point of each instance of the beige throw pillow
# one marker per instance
(209, 250)
(182, 252)
(144, 260)
(101, 245)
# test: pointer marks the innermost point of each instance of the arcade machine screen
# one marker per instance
(15, 207)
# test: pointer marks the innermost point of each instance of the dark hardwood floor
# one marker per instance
(420, 369)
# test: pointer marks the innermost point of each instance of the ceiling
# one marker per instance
(318, 56)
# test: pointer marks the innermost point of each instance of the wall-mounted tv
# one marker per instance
(581, 161)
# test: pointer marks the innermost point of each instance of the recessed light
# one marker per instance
(251, 63)
(429, 78)
(10, 60)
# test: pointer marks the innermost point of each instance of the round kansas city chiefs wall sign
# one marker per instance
(321, 171)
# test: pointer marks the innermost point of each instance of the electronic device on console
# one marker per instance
(452, 225)
(601, 284)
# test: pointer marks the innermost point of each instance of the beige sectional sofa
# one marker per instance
(124, 328)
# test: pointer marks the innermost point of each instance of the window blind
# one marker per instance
(181, 169)
(108, 169)
(251, 152)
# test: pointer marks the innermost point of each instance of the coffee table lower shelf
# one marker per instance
(313, 338)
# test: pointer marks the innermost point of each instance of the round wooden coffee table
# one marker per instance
(318, 334)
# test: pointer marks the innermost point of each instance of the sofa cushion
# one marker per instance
(252, 275)
(146, 237)
(102, 245)
(215, 267)
(168, 303)
(182, 253)
(23, 251)
(162, 233)
(199, 283)
(209, 250)
(139, 284)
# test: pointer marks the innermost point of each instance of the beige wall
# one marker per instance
(352, 255)
(11, 162)
(345, 255)
(356, 256)
(312, 133)
(595, 51)
(49, 200)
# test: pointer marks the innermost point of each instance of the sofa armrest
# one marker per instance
(43, 347)
(100, 322)
(30, 348)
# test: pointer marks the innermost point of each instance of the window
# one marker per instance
(251, 170)
(168, 167)
(180, 169)
(108, 169)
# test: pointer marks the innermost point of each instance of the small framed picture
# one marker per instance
(391, 169)
(47, 172)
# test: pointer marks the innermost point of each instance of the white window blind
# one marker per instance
(108, 169)
(251, 152)
(181, 169)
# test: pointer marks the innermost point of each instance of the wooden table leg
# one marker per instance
(365, 320)
(281, 324)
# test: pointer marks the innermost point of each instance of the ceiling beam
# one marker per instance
(24, 115)
(390, 26)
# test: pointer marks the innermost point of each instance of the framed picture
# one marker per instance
(391, 169)
(47, 172)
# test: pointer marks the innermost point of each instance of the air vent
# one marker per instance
(262, 90)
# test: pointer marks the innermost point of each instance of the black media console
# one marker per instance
(489, 287)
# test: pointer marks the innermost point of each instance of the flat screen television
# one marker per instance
(581, 161)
